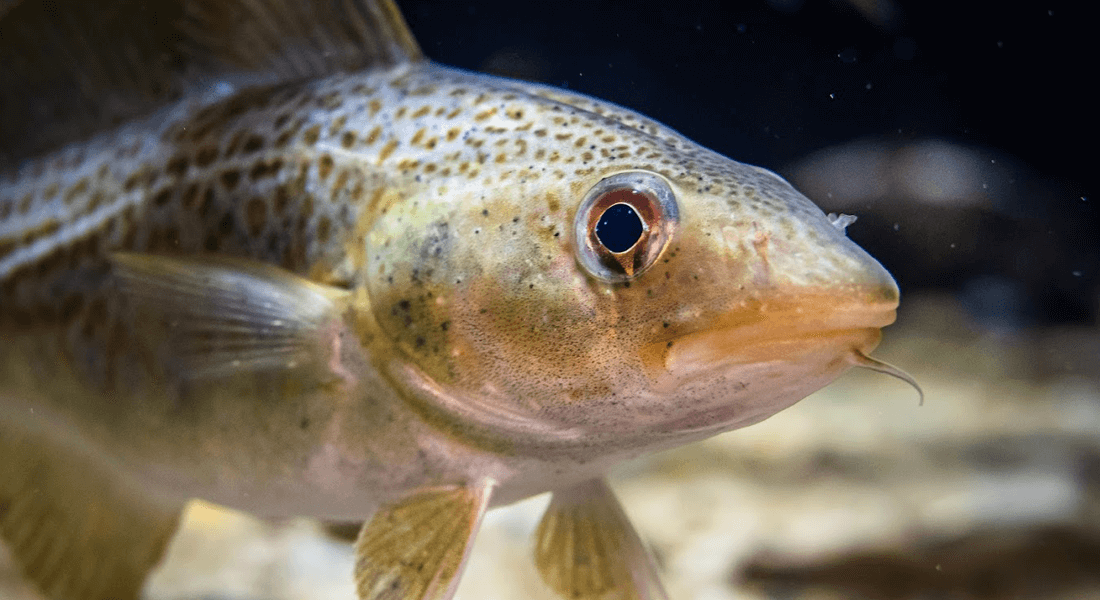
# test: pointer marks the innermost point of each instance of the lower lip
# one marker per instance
(707, 350)
(780, 372)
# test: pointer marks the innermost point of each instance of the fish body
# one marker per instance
(404, 293)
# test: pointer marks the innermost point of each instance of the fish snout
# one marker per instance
(816, 294)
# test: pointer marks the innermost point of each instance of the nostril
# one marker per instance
(841, 221)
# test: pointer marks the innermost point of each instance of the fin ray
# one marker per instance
(586, 548)
(416, 548)
(225, 315)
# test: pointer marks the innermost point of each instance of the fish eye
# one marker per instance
(623, 225)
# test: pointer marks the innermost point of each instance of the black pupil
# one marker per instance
(619, 228)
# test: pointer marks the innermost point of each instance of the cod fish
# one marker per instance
(263, 253)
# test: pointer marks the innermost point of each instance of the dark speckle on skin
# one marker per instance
(283, 200)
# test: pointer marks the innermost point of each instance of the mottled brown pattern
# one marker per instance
(265, 168)
(324, 166)
(443, 202)
(253, 144)
(312, 135)
(206, 156)
(256, 214)
(229, 179)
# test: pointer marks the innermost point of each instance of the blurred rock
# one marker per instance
(1017, 247)
(1047, 563)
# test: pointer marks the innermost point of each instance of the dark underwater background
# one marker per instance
(771, 82)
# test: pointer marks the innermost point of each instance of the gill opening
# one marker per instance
(859, 359)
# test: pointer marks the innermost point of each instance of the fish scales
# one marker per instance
(377, 293)
(192, 168)
(298, 176)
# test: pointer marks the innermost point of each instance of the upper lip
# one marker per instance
(802, 314)
(779, 326)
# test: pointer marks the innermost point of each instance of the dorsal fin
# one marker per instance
(71, 67)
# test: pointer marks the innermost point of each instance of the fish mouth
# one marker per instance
(781, 328)
(765, 355)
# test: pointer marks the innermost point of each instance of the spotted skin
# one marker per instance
(444, 201)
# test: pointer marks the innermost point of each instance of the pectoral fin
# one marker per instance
(77, 526)
(586, 548)
(221, 316)
(416, 548)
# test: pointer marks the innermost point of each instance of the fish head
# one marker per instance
(756, 300)
(637, 290)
